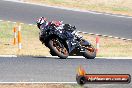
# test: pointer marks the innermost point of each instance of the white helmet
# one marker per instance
(41, 20)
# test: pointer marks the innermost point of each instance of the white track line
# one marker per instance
(95, 58)
(8, 56)
(66, 8)
(14, 0)
(105, 36)
(113, 57)
(38, 82)
(75, 57)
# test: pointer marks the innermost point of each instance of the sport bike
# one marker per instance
(65, 41)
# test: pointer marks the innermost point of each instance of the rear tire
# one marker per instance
(90, 52)
(52, 53)
(61, 52)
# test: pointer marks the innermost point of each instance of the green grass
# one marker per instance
(30, 41)
(120, 9)
(32, 46)
(110, 6)
(42, 85)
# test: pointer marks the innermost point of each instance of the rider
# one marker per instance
(44, 25)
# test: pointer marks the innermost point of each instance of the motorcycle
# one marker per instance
(65, 41)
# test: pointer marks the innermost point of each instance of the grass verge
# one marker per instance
(31, 45)
(123, 7)
(30, 42)
(39, 86)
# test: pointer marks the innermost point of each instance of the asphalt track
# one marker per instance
(84, 21)
(43, 69)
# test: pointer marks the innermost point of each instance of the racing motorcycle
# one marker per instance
(64, 41)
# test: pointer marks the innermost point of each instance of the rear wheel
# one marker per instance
(52, 53)
(58, 48)
(90, 52)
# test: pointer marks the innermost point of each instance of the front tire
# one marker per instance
(58, 48)
(90, 52)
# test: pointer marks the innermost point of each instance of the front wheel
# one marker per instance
(90, 52)
(58, 48)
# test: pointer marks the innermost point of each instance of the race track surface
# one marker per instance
(43, 69)
(53, 69)
(84, 21)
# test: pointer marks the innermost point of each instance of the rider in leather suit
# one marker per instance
(44, 25)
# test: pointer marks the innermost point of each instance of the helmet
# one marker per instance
(41, 20)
